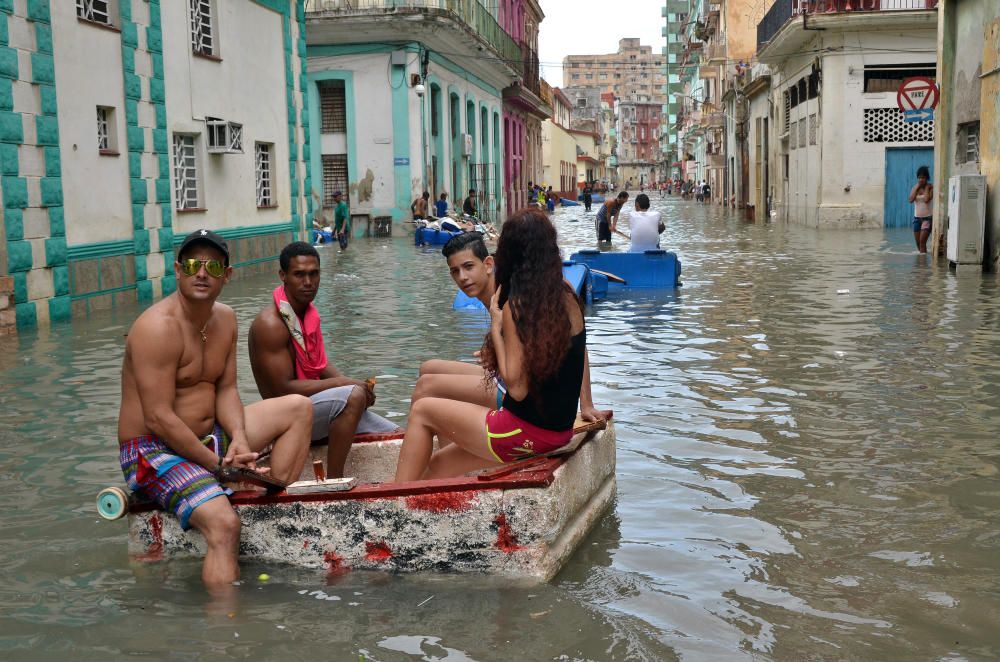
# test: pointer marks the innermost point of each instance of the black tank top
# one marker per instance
(558, 398)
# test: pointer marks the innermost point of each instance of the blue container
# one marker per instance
(566, 202)
(432, 237)
(650, 269)
(578, 275)
(322, 236)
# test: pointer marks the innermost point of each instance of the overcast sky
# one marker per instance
(587, 27)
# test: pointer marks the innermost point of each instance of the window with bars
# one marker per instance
(185, 171)
(334, 177)
(813, 126)
(104, 128)
(332, 106)
(97, 11)
(968, 143)
(202, 27)
(265, 176)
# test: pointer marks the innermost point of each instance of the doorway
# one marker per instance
(901, 165)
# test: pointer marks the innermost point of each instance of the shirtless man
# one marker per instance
(282, 365)
(471, 267)
(181, 419)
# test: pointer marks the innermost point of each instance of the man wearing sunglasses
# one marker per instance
(287, 355)
(181, 420)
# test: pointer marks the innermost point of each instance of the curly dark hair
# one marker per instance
(529, 276)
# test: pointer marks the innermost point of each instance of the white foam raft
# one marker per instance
(523, 521)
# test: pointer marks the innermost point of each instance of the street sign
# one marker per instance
(401, 161)
(919, 115)
(918, 93)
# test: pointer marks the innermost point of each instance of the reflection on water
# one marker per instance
(802, 471)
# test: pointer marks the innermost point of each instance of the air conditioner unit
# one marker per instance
(966, 218)
(467, 144)
(224, 137)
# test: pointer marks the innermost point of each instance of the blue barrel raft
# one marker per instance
(566, 202)
(432, 237)
(650, 269)
(585, 283)
(322, 236)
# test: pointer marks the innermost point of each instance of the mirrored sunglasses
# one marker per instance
(191, 266)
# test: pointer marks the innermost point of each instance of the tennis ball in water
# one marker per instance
(263, 576)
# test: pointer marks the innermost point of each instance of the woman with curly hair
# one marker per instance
(536, 344)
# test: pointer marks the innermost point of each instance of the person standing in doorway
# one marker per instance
(469, 206)
(341, 220)
(921, 195)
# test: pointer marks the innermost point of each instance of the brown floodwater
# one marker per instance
(803, 472)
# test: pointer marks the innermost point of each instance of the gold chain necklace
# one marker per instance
(204, 338)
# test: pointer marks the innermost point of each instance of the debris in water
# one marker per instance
(843, 291)
(425, 601)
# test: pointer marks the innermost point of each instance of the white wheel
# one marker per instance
(112, 503)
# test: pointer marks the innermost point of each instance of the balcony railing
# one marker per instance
(473, 13)
(529, 73)
(783, 10)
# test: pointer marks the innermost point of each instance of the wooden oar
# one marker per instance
(610, 276)
(619, 232)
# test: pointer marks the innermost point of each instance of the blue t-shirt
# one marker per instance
(441, 207)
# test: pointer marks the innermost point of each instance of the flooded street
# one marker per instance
(803, 472)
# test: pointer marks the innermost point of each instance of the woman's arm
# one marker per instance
(508, 347)
(913, 192)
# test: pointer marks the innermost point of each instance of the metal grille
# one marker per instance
(802, 132)
(968, 149)
(332, 107)
(813, 124)
(263, 166)
(886, 125)
(185, 172)
(94, 10)
(103, 139)
(483, 180)
(334, 177)
(788, 109)
(201, 27)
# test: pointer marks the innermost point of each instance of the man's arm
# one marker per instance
(155, 376)
(273, 368)
(228, 406)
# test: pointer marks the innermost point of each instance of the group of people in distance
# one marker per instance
(421, 210)
(182, 422)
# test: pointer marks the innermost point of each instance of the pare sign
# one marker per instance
(919, 93)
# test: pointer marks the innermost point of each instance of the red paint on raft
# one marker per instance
(155, 550)
(506, 540)
(377, 552)
(441, 502)
(334, 563)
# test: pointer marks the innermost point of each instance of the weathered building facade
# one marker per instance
(842, 154)
(967, 122)
(632, 70)
(409, 96)
(127, 124)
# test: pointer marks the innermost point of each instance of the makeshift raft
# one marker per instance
(522, 520)
(655, 268)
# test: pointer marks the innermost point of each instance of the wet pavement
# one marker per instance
(803, 472)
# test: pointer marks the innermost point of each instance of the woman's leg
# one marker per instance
(459, 422)
(922, 240)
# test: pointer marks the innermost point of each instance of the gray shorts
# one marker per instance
(328, 404)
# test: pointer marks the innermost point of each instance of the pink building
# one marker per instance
(523, 107)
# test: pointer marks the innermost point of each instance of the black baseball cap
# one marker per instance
(205, 237)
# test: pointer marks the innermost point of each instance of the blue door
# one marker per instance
(901, 165)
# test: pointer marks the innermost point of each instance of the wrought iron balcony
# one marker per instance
(472, 13)
(784, 10)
